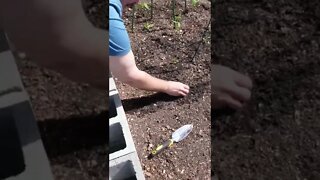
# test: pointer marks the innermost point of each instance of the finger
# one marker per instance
(233, 103)
(185, 90)
(182, 93)
(219, 102)
(186, 87)
(240, 93)
(243, 81)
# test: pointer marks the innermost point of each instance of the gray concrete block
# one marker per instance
(126, 167)
(20, 124)
(124, 162)
(122, 120)
(11, 87)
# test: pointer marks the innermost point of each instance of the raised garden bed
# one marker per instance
(168, 53)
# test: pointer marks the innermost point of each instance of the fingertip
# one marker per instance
(243, 80)
(183, 94)
(186, 91)
(234, 103)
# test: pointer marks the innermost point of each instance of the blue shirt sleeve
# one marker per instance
(119, 42)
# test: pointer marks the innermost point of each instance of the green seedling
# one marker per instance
(195, 3)
(143, 6)
(147, 26)
(177, 22)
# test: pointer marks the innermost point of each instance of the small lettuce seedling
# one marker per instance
(195, 3)
(143, 6)
(177, 22)
(147, 26)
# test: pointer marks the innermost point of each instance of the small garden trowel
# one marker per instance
(177, 136)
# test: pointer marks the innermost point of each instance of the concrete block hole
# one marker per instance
(123, 171)
(117, 141)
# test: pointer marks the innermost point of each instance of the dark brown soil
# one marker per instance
(72, 117)
(167, 53)
(277, 136)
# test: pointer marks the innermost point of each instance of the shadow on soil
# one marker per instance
(63, 136)
(221, 112)
(140, 102)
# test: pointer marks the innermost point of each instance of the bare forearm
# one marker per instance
(145, 81)
(124, 68)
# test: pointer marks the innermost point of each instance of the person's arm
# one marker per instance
(122, 62)
(124, 68)
(58, 35)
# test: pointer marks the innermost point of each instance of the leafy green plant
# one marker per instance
(147, 26)
(195, 3)
(177, 22)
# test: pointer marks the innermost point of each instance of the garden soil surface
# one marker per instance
(277, 135)
(72, 117)
(167, 53)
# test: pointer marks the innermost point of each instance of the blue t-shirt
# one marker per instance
(119, 42)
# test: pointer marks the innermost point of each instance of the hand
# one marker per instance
(177, 89)
(230, 88)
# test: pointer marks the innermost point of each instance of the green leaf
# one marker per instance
(144, 6)
(195, 3)
(147, 26)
